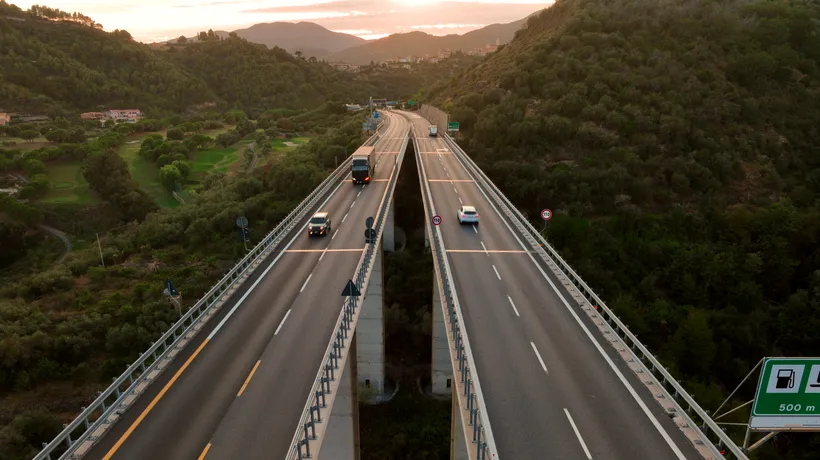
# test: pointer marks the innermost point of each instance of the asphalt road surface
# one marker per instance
(238, 389)
(550, 392)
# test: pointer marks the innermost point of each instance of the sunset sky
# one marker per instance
(154, 20)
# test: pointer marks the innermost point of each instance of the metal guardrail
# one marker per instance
(549, 255)
(482, 433)
(112, 399)
(311, 420)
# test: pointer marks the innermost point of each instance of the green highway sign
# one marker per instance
(452, 126)
(788, 395)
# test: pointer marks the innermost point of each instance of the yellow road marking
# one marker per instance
(153, 403)
(437, 153)
(379, 180)
(247, 380)
(449, 180)
(325, 250)
(204, 451)
(498, 251)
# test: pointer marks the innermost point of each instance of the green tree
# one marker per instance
(29, 135)
(57, 136)
(170, 176)
(175, 134)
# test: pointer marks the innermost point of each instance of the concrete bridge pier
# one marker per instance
(342, 437)
(370, 334)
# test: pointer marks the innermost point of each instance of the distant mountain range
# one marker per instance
(420, 43)
(314, 40)
(309, 38)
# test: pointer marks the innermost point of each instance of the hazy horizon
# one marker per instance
(156, 20)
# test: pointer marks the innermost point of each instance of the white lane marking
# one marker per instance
(357, 195)
(598, 347)
(343, 218)
(538, 355)
(459, 200)
(496, 273)
(448, 174)
(513, 305)
(578, 434)
(475, 229)
(454, 189)
(283, 322)
(485, 249)
(306, 282)
(351, 204)
(324, 252)
(264, 273)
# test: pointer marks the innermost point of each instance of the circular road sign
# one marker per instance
(370, 234)
(436, 220)
(242, 221)
(368, 222)
(546, 214)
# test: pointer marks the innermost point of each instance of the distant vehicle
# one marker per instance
(319, 224)
(433, 131)
(467, 214)
(363, 165)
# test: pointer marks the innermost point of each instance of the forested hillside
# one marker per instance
(53, 64)
(49, 65)
(677, 144)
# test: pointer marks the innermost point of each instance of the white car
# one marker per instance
(468, 215)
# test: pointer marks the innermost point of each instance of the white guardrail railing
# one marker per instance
(313, 422)
(470, 389)
(119, 396)
(661, 377)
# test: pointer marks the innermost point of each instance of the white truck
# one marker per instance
(433, 131)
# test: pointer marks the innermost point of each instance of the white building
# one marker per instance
(131, 115)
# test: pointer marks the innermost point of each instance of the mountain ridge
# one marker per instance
(315, 40)
(417, 43)
(309, 38)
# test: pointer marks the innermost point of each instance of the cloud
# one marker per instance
(205, 4)
(341, 5)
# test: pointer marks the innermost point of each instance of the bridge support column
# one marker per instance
(342, 436)
(370, 334)
(458, 444)
(441, 371)
(389, 235)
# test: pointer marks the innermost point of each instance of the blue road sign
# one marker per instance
(170, 288)
(351, 290)
(375, 114)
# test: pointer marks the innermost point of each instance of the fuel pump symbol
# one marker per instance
(785, 379)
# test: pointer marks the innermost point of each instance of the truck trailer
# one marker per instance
(363, 165)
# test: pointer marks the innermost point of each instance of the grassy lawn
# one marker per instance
(286, 145)
(67, 184)
(147, 174)
(212, 161)
(144, 172)
(21, 144)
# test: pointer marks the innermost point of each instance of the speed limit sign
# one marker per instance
(436, 220)
(546, 214)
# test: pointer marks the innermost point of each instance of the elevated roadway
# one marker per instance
(553, 388)
(238, 389)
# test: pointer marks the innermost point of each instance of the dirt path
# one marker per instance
(61, 236)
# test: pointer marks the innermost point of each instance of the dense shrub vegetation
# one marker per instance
(676, 142)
